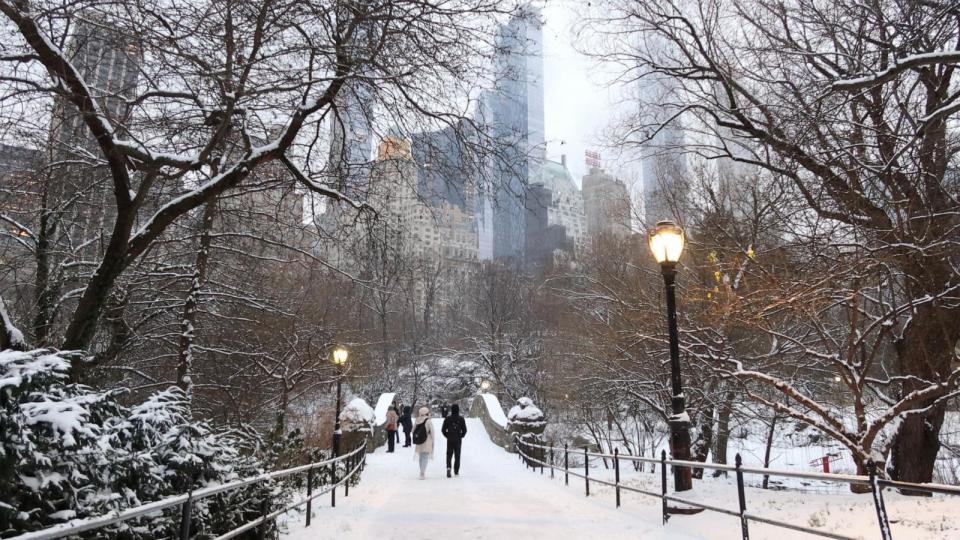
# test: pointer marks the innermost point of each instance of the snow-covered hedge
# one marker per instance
(525, 412)
(68, 451)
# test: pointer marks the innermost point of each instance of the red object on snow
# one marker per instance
(824, 462)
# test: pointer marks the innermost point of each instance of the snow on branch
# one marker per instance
(903, 64)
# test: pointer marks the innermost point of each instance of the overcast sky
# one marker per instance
(578, 104)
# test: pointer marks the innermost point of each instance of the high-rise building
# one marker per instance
(445, 172)
(606, 203)
(566, 201)
(555, 222)
(663, 162)
(351, 124)
(351, 137)
(109, 62)
(513, 116)
(19, 188)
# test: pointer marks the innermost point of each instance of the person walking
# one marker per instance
(398, 408)
(407, 423)
(391, 428)
(454, 429)
(423, 439)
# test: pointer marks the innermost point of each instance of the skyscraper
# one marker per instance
(513, 114)
(663, 163)
(606, 203)
(445, 173)
(351, 137)
(351, 124)
(109, 62)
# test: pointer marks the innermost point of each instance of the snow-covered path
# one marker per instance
(494, 497)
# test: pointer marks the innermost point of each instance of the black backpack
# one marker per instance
(420, 433)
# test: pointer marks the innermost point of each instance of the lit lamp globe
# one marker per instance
(485, 385)
(340, 356)
(666, 242)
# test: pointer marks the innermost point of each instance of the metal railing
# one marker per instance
(354, 461)
(528, 452)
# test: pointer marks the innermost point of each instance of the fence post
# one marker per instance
(551, 461)
(741, 495)
(333, 484)
(586, 470)
(663, 482)
(264, 510)
(309, 492)
(566, 465)
(616, 473)
(877, 490)
(185, 517)
(543, 457)
(346, 485)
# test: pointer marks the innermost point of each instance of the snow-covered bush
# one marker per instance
(358, 415)
(526, 421)
(68, 451)
(526, 413)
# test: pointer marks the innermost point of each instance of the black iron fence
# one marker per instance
(354, 462)
(558, 459)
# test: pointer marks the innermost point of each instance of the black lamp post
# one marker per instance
(339, 360)
(666, 243)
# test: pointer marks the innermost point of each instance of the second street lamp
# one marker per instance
(339, 360)
(666, 243)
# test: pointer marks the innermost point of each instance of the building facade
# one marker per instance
(606, 204)
(513, 115)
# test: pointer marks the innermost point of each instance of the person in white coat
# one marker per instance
(423, 450)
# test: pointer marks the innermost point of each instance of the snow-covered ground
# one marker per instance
(497, 497)
(493, 498)
(844, 513)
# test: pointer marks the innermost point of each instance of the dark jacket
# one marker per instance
(405, 420)
(454, 426)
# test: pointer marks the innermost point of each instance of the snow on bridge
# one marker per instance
(494, 497)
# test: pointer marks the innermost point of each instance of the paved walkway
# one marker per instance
(494, 497)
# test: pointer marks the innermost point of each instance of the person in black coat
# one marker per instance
(454, 429)
(407, 424)
(399, 409)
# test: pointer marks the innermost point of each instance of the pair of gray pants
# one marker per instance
(424, 458)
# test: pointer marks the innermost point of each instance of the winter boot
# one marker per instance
(448, 473)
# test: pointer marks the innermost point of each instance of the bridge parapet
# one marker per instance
(524, 420)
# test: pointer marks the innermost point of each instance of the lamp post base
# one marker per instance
(680, 450)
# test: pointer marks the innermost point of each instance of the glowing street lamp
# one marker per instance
(340, 360)
(485, 385)
(666, 242)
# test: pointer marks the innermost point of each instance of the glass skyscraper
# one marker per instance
(513, 114)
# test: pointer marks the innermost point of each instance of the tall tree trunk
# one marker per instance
(701, 447)
(280, 425)
(46, 290)
(925, 352)
(723, 433)
(189, 318)
(766, 452)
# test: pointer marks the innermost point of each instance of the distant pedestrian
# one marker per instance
(398, 408)
(392, 419)
(407, 423)
(423, 439)
(454, 429)
(444, 410)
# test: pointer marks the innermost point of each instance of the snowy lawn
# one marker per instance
(497, 497)
(841, 513)
(494, 498)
